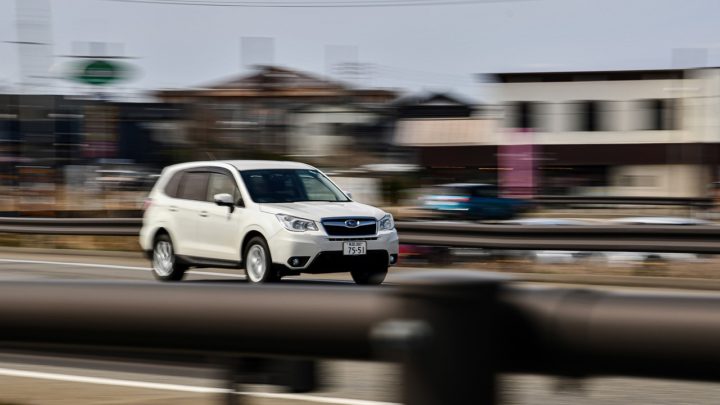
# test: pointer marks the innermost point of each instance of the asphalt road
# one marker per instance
(43, 380)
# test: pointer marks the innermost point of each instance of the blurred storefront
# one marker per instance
(621, 133)
(53, 131)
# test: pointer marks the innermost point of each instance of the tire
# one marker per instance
(372, 276)
(258, 262)
(164, 262)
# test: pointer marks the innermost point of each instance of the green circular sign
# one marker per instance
(99, 72)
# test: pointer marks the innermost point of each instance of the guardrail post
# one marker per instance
(456, 365)
(293, 374)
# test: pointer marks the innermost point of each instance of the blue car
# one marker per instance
(472, 201)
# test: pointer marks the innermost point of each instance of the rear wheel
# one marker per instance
(164, 261)
(258, 262)
(369, 276)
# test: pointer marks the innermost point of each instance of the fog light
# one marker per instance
(393, 259)
(297, 261)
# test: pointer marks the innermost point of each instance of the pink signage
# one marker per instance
(516, 165)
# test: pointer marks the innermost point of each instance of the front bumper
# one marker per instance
(325, 253)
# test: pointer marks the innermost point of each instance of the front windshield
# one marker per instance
(290, 185)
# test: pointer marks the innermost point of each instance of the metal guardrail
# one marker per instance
(703, 239)
(71, 226)
(696, 202)
(452, 332)
(643, 238)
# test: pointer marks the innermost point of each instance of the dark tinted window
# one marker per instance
(451, 191)
(658, 114)
(485, 191)
(171, 188)
(525, 115)
(589, 116)
(193, 186)
(222, 183)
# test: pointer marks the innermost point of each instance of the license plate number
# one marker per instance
(354, 248)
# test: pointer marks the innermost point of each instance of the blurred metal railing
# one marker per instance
(71, 226)
(695, 202)
(644, 238)
(452, 332)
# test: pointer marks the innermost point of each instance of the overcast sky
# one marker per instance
(415, 48)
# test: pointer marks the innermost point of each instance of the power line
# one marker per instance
(315, 4)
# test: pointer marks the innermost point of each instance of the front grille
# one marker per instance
(343, 226)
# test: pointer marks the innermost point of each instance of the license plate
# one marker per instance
(354, 248)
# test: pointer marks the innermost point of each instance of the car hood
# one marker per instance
(317, 210)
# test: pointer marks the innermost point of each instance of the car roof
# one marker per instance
(246, 164)
(266, 164)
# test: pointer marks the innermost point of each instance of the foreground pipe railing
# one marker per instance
(590, 332)
(229, 320)
(453, 332)
(703, 239)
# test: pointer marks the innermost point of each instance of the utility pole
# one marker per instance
(37, 134)
(34, 41)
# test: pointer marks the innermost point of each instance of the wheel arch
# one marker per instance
(161, 230)
(246, 239)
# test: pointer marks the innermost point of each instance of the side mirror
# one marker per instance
(225, 199)
(349, 194)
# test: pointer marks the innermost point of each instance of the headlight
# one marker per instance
(386, 223)
(296, 224)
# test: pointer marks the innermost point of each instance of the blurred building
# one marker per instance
(623, 133)
(433, 105)
(46, 133)
(451, 137)
(276, 112)
(343, 135)
(631, 133)
(37, 133)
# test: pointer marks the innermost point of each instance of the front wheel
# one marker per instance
(164, 261)
(371, 276)
(258, 262)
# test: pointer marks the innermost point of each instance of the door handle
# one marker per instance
(203, 213)
(172, 208)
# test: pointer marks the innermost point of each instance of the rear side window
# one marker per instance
(171, 188)
(451, 192)
(222, 183)
(486, 192)
(193, 186)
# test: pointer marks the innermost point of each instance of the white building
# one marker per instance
(650, 133)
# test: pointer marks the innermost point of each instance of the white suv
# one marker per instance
(272, 218)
